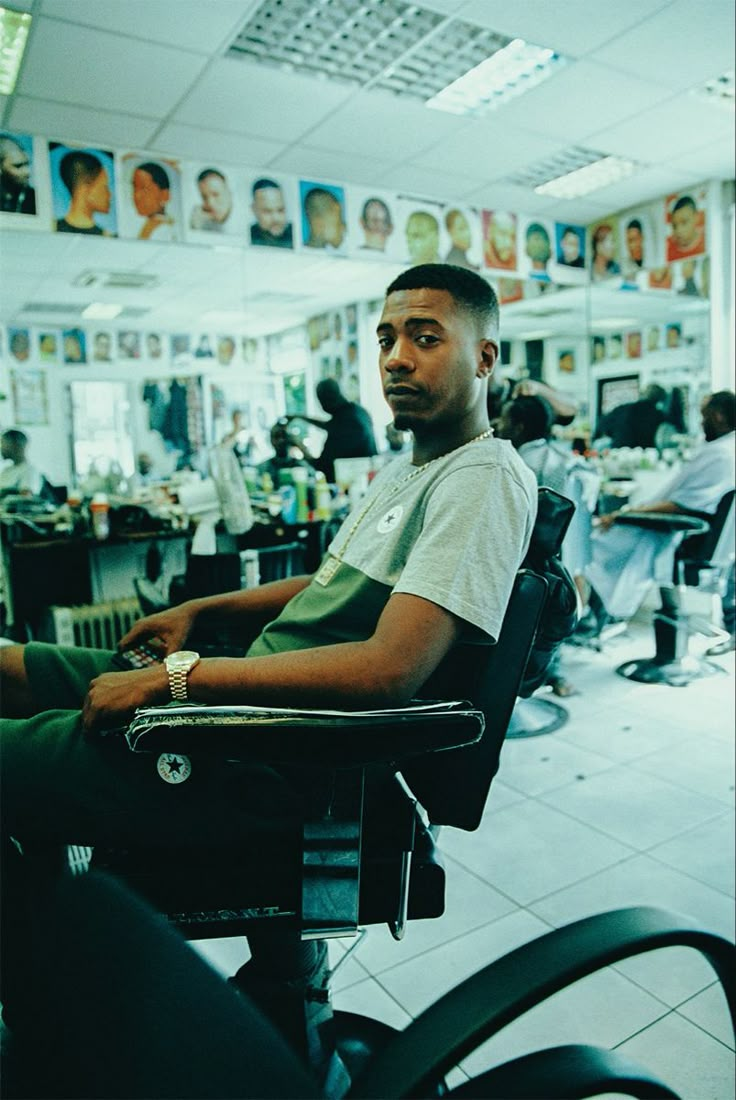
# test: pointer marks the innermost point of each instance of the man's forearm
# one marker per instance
(264, 602)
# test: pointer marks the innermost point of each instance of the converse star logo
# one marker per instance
(390, 520)
(174, 767)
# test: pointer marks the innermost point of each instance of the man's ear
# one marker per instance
(487, 359)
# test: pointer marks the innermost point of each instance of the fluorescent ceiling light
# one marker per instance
(591, 177)
(14, 28)
(719, 90)
(511, 71)
(613, 323)
(101, 311)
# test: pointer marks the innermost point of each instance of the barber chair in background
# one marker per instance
(367, 854)
(124, 1008)
(702, 562)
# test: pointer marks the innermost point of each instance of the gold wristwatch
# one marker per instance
(178, 666)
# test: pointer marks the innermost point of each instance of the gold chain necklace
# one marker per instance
(331, 564)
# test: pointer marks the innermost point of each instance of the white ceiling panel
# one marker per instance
(507, 196)
(95, 69)
(687, 42)
(489, 149)
(577, 211)
(652, 183)
(384, 126)
(106, 129)
(251, 99)
(714, 161)
(189, 24)
(430, 183)
(574, 27)
(197, 144)
(654, 135)
(321, 164)
(581, 99)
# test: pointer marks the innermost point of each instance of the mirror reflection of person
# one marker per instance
(634, 237)
(376, 223)
(217, 201)
(271, 226)
(285, 454)
(423, 237)
(151, 193)
(17, 475)
(687, 237)
(570, 252)
(458, 227)
(538, 249)
(16, 194)
(88, 184)
(325, 222)
(500, 242)
(603, 246)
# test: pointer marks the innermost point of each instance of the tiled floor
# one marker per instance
(631, 802)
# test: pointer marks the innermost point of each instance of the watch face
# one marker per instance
(173, 767)
(183, 658)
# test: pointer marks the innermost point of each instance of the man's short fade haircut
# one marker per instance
(532, 411)
(723, 402)
(471, 291)
(686, 200)
(15, 436)
(78, 167)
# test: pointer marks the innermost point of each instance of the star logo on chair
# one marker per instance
(174, 767)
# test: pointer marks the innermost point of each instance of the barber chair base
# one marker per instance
(361, 1038)
(534, 717)
(677, 673)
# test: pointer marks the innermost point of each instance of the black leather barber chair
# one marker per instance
(366, 854)
(143, 1016)
(702, 561)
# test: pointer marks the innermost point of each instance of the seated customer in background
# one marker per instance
(18, 475)
(397, 589)
(627, 560)
(526, 422)
(284, 456)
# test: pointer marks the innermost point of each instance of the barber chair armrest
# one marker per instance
(316, 738)
(669, 523)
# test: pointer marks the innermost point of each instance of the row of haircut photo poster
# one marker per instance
(61, 187)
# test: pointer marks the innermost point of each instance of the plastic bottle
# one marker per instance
(300, 475)
(100, 512)
(234, 500)
(322, 497)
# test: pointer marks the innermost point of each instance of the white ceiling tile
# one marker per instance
(572, 28)
(100, 70)
(687, 42)
(577, 211)
(62, 120)
(644, 186)
(384, 126)
(580, 99)
(418, 182)
(200, 144)
(508, 196)
(253, 99)
(714, 161)
(681, 123)
(189, 24)
(323, 164)
(488, 149)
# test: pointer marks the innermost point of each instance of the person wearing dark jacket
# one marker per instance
(349, 429)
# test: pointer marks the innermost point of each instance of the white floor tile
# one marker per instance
(705, 853)
(709, 1010)
(533, 765)
(689, 1060)
(704, 764)
(634, 807)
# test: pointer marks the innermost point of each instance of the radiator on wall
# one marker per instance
(99, 626)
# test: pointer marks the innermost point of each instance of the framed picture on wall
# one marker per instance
(30, 397)
(83, 190)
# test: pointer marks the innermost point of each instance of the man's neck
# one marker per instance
(435, 446)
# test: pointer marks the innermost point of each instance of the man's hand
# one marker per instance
(172, 626)
(604, 523)
(113, 697)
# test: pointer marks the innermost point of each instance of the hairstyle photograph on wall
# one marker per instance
(30, 397)
(83, 190)
(462, 237)
(129, 344)
(686, 223)
(17, 183)
(324, 220)
(19, 344)
(48, 347)
(150, 197)
(372, 232)
(154, 345)
(566, 361)
(604, 249)
(536, 236)
(570, 245)
(419, 231)
(271, 202)
(640, 234)
(499, 240)
(213, 203)
(74, 344)
(633, 345)
(102, 347)
(510, 290)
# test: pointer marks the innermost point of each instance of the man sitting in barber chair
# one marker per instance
(626, 560)
(427, 559)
